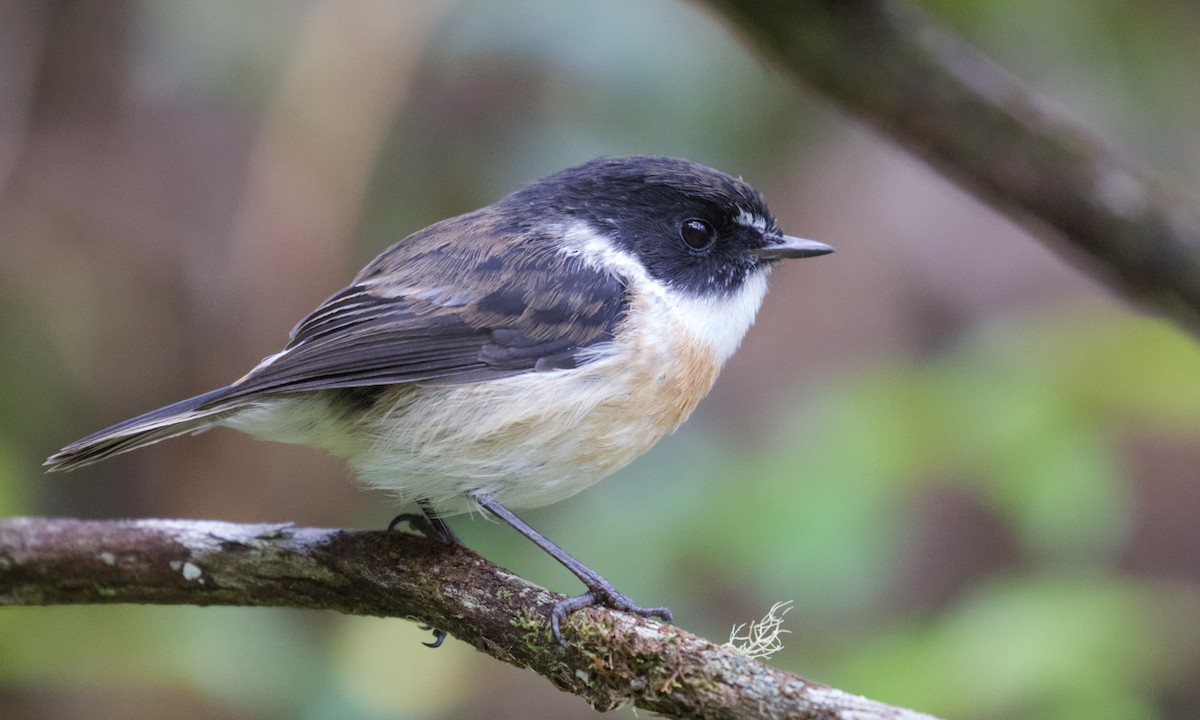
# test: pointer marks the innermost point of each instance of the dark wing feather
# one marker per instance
(411, 317)
(435, 308)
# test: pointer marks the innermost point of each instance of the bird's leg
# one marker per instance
(441, 530)
(429, 523)
(432, 525)
(600, 591)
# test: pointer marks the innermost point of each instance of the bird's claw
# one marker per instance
(439, 636)
(607, 597)
(422, 524)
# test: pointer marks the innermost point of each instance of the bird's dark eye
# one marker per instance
(697, 234)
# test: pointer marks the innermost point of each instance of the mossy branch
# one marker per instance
(613, 659)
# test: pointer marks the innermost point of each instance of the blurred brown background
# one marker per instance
(973, 470)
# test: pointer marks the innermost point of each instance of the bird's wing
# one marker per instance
(519, 312)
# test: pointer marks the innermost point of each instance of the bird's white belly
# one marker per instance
(526, 440)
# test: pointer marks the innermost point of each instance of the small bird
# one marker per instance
(513, 356)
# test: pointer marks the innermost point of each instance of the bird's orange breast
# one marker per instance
(661, 372)
(535, 438)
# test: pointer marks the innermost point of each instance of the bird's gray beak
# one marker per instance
(786, 246)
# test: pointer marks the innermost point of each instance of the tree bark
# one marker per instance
(888, 64)
(612, 658)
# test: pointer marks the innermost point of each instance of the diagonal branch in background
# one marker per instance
(923, 87)
(613, 659)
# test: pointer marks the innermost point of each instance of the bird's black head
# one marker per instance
(693, 228)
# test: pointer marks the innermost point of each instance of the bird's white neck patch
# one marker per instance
(723, 321)
(719, 321)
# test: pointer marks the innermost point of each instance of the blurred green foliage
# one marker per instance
(1028, 416)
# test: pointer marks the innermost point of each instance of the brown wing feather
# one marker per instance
(432, 311)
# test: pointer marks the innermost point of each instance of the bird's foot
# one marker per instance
(431, 525)
(606, 595)
(435, 529)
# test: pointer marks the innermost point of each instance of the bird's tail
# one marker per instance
(179, 418)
